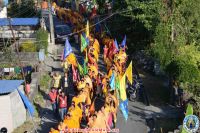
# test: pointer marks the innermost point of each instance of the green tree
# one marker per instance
(25, 9)
(42, 39)
(173, 35)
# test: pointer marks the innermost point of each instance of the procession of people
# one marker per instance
(75, 96)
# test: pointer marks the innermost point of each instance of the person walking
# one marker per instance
(56, 80)
(64, 83)
(53, 95)
(62, 101)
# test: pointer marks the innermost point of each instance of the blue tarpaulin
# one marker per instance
(19, 21)
(29, 106)
(7, 86)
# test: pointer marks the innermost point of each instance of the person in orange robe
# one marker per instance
(54, 131)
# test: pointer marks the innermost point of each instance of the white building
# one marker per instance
(3, 12)
(13, 111)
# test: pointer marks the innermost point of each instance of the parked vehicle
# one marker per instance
(133, 90)
(62, 32)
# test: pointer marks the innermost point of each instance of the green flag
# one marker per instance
(85, 69)
(83, 43)
(117, 82)
(80, 69)
(189, 111)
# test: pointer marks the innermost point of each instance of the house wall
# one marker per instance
(3, 12)
(18, 110)
(5, 113)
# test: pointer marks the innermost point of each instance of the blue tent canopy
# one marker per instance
(7, 86)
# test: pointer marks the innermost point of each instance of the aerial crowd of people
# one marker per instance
(74, 95)
(85, 98)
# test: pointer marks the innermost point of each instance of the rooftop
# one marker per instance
(7, 86)
(19, 21)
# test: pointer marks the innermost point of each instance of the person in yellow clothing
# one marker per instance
(65, 65)
(78, 99)
(70, 123)
(56, 80)
(54, 131)
(76, 114)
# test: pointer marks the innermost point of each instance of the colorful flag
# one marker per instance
(124, 108)
(116, 45)
(122, 88)
(86, 57)
(123, 42)
(86, 38)
(80, 68)
(112, 81)
(189, 111)
(85, 68)
(129, 73)
(87, 29)
(67, 49)
(83, 43)
(29, 106)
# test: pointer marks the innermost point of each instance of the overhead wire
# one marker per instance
(117, 12)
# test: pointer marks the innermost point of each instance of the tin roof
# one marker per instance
(7, 86)
(19, 21)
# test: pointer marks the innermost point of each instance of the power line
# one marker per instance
(91, 25)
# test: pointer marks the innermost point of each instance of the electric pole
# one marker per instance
(51, 24)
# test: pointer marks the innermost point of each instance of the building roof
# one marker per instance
(19, 21)
(7, 86)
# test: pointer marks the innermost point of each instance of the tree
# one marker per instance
(174, 36)
(24, 9)
(42, 39)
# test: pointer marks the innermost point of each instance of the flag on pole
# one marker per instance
(67, 49)
(116, 45)
(85, 69)
(29, 106)
(122, 88)
(124, 42)
(124, 108)
(86, 57)
(87, 29)
(112, 81)
(83, 43)
(129, 73)
(80, 68)
(189, 111)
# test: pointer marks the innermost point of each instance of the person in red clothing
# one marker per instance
(53, 95)
(62, 102)
(27, 88)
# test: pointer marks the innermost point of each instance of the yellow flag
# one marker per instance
(87, 29)
(122, 88)
(129, 73)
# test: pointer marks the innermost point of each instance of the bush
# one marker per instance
(28, 46)
(45, 81)
(42, 39)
